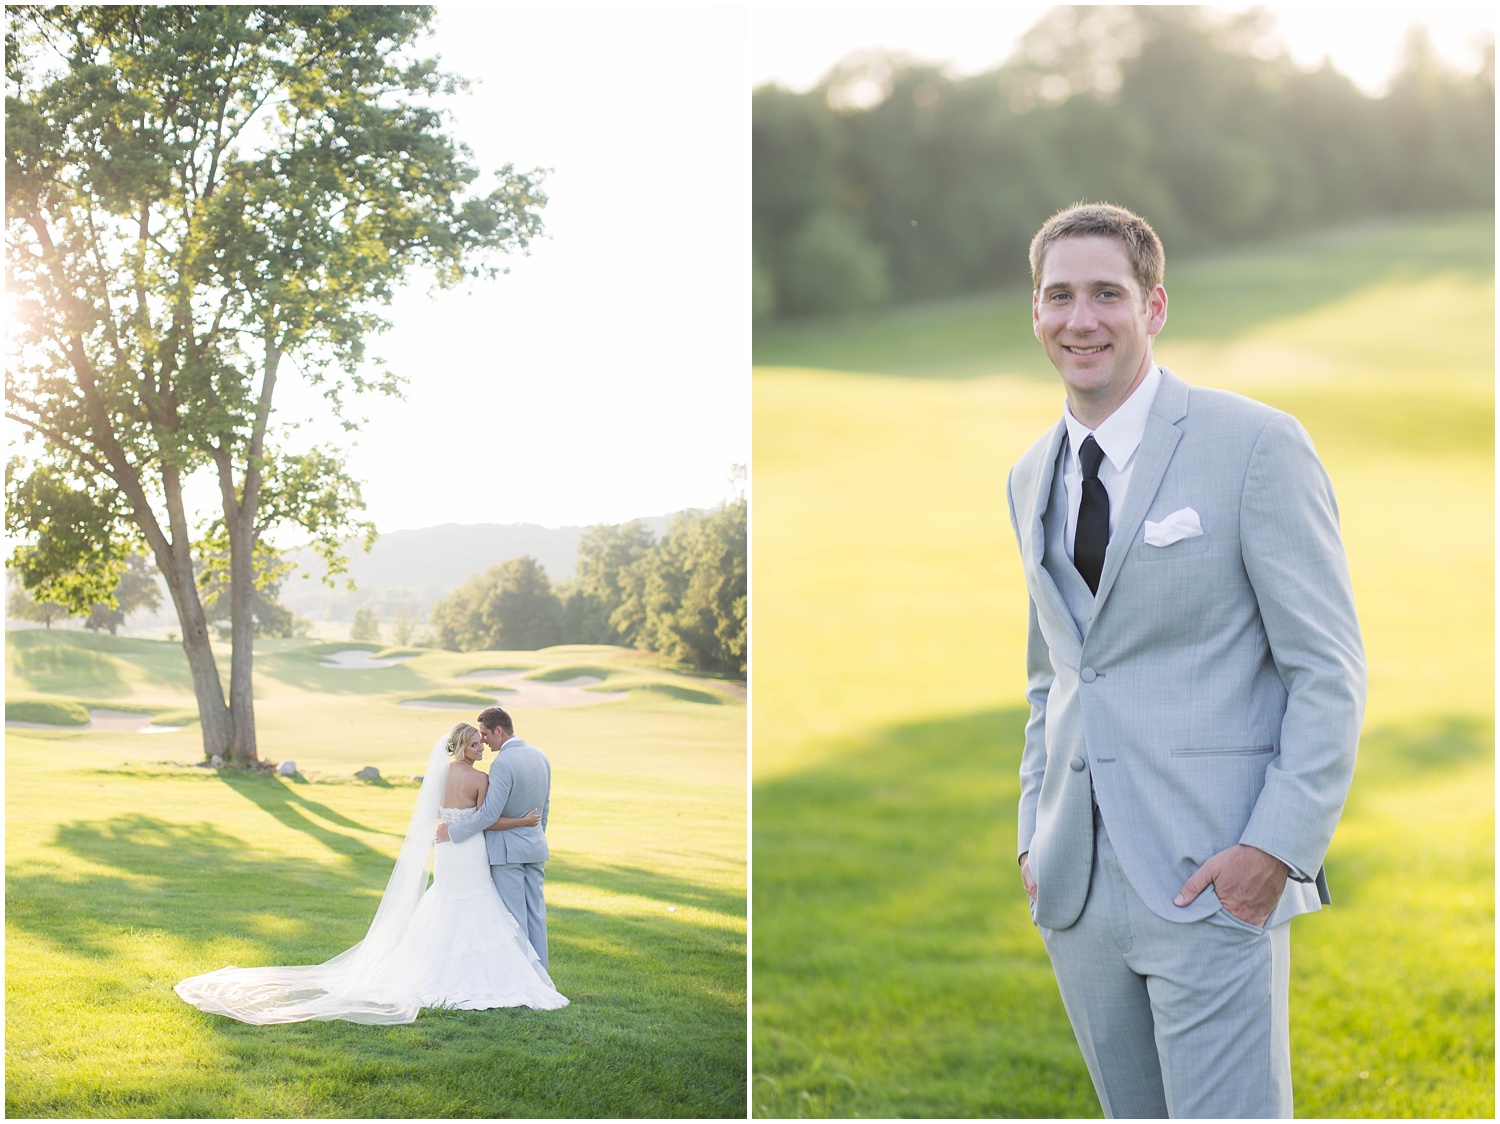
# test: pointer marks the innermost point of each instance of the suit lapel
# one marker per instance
(1051, 603)
(1152, 458)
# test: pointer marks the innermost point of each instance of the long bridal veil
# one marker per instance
(363, 984)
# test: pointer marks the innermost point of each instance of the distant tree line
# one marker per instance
(684, 596)
(893, 181)
(139, 591)
(135, 591)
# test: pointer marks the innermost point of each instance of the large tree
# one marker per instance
(194, 195)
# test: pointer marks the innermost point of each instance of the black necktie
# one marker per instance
(1093, 516)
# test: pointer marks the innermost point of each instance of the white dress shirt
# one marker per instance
(1119, 436)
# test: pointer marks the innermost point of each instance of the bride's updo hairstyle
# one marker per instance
(459, 739)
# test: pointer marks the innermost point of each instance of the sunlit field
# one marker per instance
(896, 970)
(129, 869)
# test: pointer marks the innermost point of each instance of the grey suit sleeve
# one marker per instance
(489, 811)
(1294, 556)
(1039, 675)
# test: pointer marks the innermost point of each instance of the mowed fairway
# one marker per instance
(896, 969)
(126, 873)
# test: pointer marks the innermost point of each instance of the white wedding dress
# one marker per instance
(453, 944)
(483, 958)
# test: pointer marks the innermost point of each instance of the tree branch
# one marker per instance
(63, 442)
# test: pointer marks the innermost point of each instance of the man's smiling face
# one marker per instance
(1094, 323)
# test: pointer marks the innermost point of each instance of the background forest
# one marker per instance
(892, 181)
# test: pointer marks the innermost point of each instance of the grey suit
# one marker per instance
(520, 780)
(1210, 694)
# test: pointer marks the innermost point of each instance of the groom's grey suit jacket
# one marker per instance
(1212, 692)
(520, 780)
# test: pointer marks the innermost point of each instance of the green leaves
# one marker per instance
(685, 597)
(78, 536)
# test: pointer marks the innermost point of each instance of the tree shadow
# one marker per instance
(279, 799)
(638, 882)
(1396, 756)
(148, 874)
(676, 691)
(1405, 751)
(145, 885)
(896, 968)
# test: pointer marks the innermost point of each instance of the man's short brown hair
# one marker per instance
(496, 719)
(1082, 220)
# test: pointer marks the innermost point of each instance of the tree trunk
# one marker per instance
(242, 636)
(213, 714)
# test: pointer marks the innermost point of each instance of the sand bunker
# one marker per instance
(531, 694)
(357, 659)
(115, 721)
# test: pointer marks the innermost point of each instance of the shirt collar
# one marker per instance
(1120, 434)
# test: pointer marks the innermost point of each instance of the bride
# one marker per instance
(453, 944)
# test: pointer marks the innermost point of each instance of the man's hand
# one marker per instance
(1248, 881)
(442, 834)
(1026, 879)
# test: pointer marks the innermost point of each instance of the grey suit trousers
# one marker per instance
(1181, 1019)
(520, 886)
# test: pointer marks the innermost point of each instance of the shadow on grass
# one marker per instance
(197, 881)
(192, 881)
(637, 882)
(896, 969)
(656, 1027)
(1390, 754)
(1393, 757)
(277, 797)
(677, 691)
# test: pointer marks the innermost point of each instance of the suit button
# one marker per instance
(1088, 675)
(1076, 764)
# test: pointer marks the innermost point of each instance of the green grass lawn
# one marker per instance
(128, 870)
(896, 970)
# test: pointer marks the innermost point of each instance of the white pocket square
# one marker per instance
(1181, 524)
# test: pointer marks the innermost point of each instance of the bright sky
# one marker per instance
(607, 376)
(795, 44)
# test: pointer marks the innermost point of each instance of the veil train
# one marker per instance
(362, 984)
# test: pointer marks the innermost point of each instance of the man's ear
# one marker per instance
(1156, 310)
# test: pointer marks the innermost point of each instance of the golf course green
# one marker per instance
(129, 866)
(896, 971)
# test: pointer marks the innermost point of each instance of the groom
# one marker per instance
(520, 781)
(1196, 680)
